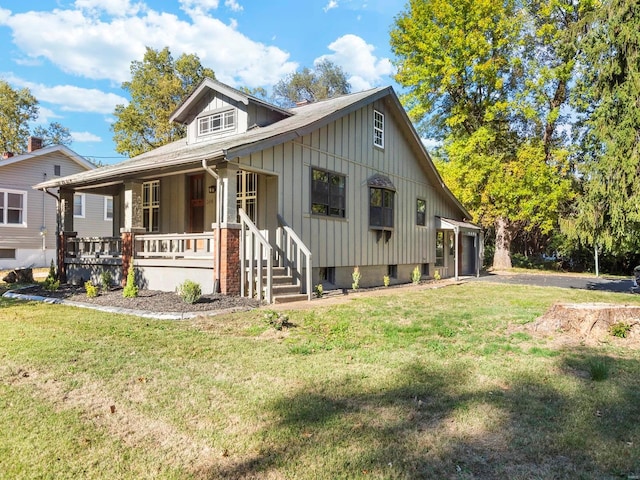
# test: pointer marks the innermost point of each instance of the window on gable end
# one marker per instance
(378, 129)
(217, 122)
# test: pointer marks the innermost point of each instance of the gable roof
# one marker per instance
(41, 152)
(302, 120)
(181, 113)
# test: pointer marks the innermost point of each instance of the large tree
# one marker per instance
(158, 84)
(486, 78)
(326, 80)
(17, 109)
(607, 214)
(54, 134)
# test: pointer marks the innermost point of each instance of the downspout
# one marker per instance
(210, 171)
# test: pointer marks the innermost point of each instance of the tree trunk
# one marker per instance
(502, 256)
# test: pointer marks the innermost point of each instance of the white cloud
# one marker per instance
(331, 5)
(83, 44)
(431, 143)
(356, 58)
(233, 5)
(83, 137)
(70, 97)
(118, 8)
(45, 115)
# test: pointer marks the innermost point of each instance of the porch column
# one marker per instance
(133, 223)
(229, 234)
(65, 230)
(456, 231)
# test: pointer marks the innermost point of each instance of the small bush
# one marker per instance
(599, 370)
(416, 275)
(318, 290)
(50, 283)
(277, 320)
(189, 291)
(386, 280)
(130, 290)
(620, 329)
(436, 275)
(106, 279)
(355, 276)
(91, 289)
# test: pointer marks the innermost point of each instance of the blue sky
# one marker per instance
(74, 54)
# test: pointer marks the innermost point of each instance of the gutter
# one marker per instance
(210, 171)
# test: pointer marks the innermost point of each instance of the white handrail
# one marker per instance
(255, 268)
(294, 268)
(175, 245)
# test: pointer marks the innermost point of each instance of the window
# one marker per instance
(392, 271)
(381, 208)
(13, 208)
(108, 208)
(56, 170)
(421, 212)
(151, 206)
(440, 249)
(327, 274)
(378, 129)
(217, 122)
(8, 253)
(425, 269)
(78, 205)
(328, 193)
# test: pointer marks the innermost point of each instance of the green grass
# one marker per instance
(425, 384)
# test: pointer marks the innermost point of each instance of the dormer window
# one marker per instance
(217, 122)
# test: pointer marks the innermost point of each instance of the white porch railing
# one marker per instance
(255, 255)
(96, 247)
(175, 245)
(290, 251)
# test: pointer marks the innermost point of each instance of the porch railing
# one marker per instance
(175, 245)
(256, 260)
(290, 251)
(79, 247)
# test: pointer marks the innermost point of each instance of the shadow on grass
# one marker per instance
(427, 423)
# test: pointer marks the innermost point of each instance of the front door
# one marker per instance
(196, 203)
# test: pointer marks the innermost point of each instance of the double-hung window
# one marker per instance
(13, 208)
(328, 193)
(151, 205)
(78, 205)
(381, 208)
(217, 122)
(378, 129)
(108, 208)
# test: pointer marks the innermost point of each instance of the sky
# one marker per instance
(74, 54)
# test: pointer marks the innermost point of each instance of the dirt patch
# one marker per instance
(590, 322)
(147, 300)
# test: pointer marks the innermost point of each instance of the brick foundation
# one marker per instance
(230, 261)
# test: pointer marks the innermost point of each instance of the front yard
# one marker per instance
(415, 383)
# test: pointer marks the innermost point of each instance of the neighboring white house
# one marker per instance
(28, 221)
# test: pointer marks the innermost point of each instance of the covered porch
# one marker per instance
(459, 248)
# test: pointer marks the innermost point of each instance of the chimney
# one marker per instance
(6, 155)
(35, 143)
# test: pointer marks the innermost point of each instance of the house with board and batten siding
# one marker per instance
(28, 221)
(260, 200)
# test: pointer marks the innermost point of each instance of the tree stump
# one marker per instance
(588, 320)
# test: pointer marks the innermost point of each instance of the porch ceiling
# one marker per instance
(450, 224)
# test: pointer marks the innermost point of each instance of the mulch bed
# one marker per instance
(148, 300)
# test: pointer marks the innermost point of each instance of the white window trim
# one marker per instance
(3, 191)
(106, 201)
(224, 127)
(377, 129)
(83, 205)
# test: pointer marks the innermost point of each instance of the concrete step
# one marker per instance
(297, 297)
(282, 280)
(285, 289)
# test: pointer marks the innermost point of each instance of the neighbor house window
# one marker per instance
(421, 212)
(381, 207)
(151, 206)
(378, 129)
(78, 205)
(108, 208)
(217, 122)
(56, 170)
(8, 253)
(13, 208)
(440, 249)
(328, 193)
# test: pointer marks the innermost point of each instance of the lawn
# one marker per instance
(427, 383)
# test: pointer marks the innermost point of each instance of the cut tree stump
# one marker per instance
(588, 320)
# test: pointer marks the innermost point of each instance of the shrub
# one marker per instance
(91, 289)
(277, 320)
(50, 283)
(189, 291)
(355, 276)
(386, 280)
(318, 290)
(105, 279)
(416, 275)
(620, 329)
(130, 290)
(436, 275)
